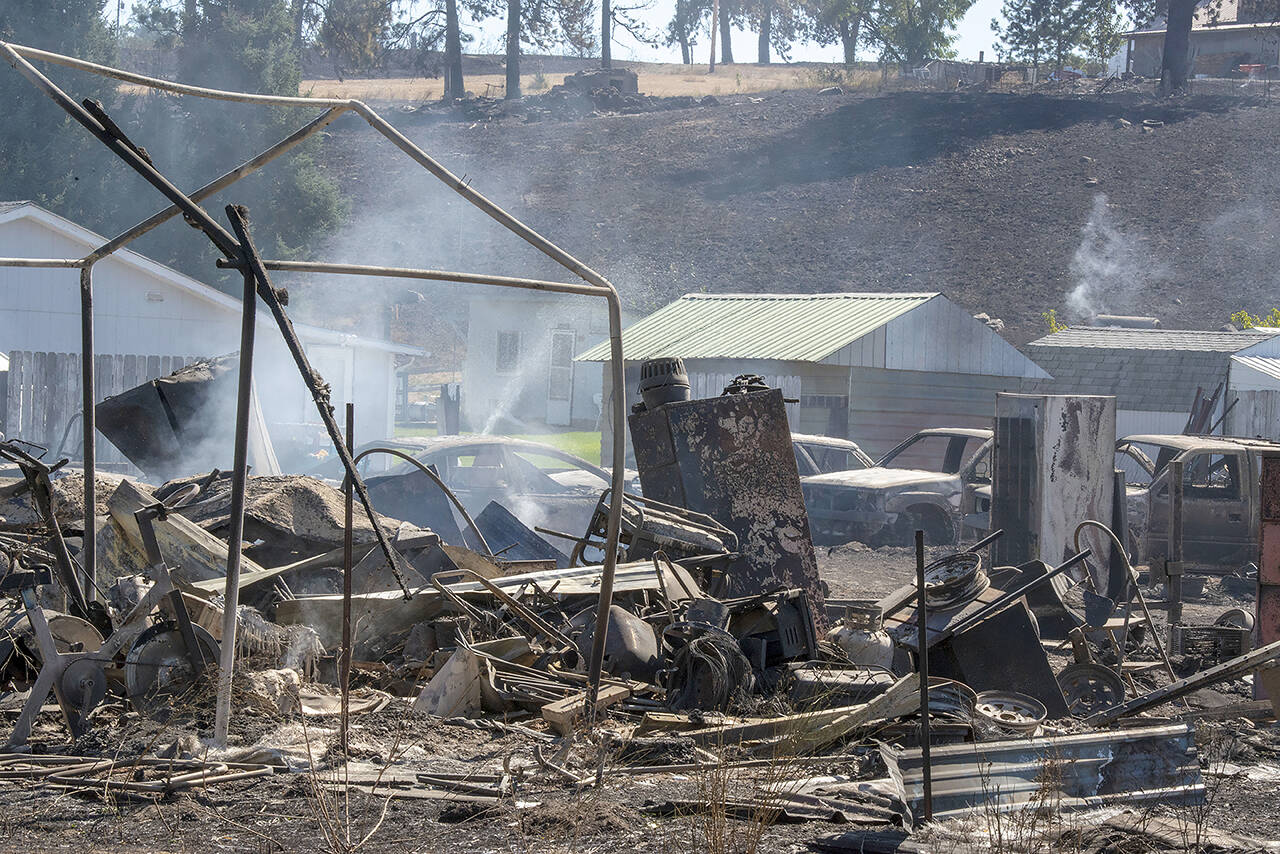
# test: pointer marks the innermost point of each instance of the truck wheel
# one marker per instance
(938, 526)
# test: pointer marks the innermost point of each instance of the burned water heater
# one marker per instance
(731, 458)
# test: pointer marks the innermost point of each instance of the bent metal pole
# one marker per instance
(17, 56)
(239, 475)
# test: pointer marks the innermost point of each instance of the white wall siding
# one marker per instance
(140, 309)
(941, 336)
(524, 395)
(887, 406)
(937, 336)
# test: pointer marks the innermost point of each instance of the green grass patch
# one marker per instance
(582, 443)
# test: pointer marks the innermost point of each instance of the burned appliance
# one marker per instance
(730, 458)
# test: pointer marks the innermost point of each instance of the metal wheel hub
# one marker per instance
(954, 580)
(158, 670)
(1090, 688)
(1010, 710)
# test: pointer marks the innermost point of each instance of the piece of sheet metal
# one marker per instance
(1148, 765)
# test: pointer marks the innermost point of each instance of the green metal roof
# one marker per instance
(788, 327)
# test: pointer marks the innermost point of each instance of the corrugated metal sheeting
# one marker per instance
(1116, 338)
(787, 327)
(1255, 373)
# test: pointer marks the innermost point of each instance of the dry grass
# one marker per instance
(655, 79)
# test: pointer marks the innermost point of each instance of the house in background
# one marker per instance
(1225, 34)
(1153, 373)
(871, 367)
(150, 319)
(519, 371)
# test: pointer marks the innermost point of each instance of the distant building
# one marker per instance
(1154, 373)
(519, 370)
(150, 319)
(1225, 35)
(871, 367)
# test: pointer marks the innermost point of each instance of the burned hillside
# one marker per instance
(1007, 202)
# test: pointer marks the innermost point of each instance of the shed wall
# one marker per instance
(525, 393)
(887, 406)
(1212, 53)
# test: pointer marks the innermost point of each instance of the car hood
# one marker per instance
(880, 478)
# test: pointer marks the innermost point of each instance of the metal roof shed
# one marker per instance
(872, 367)
(1154, 373)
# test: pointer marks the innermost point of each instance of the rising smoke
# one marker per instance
(1112, 267)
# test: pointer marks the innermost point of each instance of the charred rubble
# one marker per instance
(722, 648)
(191, 630)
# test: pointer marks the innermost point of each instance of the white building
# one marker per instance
(145, 309)
(519, 368)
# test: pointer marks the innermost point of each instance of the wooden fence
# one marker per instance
(1256, 414)
(44, 394)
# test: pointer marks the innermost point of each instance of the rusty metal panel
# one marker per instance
(731, 458)
(1267, 624)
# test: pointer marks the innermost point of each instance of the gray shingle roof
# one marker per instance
(1146, 369)
(1154, 339)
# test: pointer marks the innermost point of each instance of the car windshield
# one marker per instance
(1140, 461)
(933, 452)
(828, 458)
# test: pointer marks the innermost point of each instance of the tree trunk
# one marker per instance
(715, 22)
(1177, 45)
(682, 31)
(766, 28)
(299, 15)
(513, 49)
(726, 28)
(849, 39)
(454, 87)
(606, 34)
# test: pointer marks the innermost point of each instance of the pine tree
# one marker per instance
(1039, 31)
(244, 45)
(47, 157)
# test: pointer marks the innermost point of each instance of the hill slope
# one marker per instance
(1008, 203)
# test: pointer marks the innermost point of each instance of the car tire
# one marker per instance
(939, 527)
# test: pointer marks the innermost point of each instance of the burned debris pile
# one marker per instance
(722, 649)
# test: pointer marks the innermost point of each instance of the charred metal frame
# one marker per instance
(240, 254)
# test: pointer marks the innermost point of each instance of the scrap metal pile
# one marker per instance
(719, 647)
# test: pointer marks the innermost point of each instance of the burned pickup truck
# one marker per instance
(1220, 501)
(930, 481)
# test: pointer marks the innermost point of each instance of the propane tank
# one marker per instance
(860, 633)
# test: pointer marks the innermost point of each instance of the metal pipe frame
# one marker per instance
(597, 284)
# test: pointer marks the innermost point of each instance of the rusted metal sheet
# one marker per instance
(731, 458)
(1268, 615)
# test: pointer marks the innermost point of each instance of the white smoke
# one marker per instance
(1111, 268)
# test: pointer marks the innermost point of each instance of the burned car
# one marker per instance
(930, 481)
(541, 485)
(1220, 502)
(823, 454)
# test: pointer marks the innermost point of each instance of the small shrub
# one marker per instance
(539, 82)
(1055, 325)
(1244, 320)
